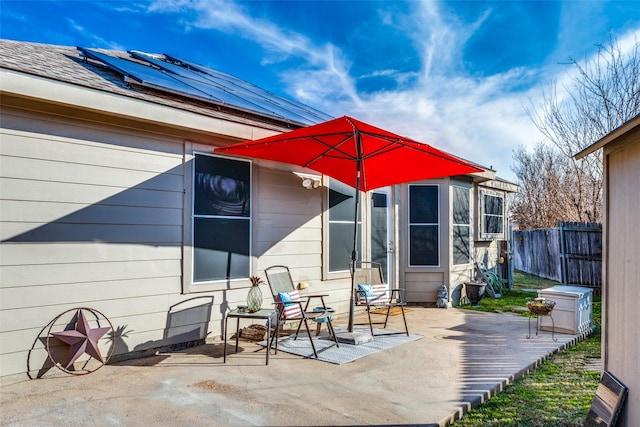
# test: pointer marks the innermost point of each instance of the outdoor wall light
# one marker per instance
(309, 181)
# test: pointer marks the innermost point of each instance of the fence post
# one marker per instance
(563, 256)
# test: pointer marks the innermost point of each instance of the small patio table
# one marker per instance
(265, 313)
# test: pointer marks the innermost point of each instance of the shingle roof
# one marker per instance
(67, 64)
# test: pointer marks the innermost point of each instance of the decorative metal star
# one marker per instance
(82, 339)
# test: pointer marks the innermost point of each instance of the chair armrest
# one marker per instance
(313, 295)
(309, 298)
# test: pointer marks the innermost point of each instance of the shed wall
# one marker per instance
(621, 344)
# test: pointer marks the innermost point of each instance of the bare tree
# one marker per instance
(547, 184)
(603, 94)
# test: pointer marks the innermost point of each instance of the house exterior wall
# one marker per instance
(96, 196)
(488, 252)
(91, 217)
(621, 287)
(96, 212)
(421, 283)
(95, 215)
(288, 230)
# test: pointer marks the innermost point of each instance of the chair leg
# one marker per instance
(370, 322)
(386, 319)
(332, 333)
(306, 324)
(406, 328)
(298, 330)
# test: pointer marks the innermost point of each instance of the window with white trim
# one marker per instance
(221, 218)
(492, 208)
(424, 225)
(461, 220)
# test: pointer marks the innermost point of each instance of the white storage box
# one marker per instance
(572, 313)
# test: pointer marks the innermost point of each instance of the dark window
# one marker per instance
(493, 214)
(221, 219)
(424, 226)
(341, 215)
(461, 225)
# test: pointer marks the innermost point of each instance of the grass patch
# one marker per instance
(522, 280)
(524, 286)
(559, 392)
(513, 300)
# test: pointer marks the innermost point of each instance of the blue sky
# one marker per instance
(455, 74)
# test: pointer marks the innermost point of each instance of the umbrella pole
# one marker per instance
(354, 256)
(351, 337)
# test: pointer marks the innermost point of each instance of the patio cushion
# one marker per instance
(367, 290)
(373, 294)
(291, 304)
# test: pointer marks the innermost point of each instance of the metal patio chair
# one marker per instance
(373, 293)
(294, 307)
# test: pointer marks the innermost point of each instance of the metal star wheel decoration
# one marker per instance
(82, 339)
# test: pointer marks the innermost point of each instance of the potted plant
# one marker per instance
(540, 306)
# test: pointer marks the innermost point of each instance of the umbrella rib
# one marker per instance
(330, 149)
(395, 145)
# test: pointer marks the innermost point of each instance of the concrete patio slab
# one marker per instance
(464, 358)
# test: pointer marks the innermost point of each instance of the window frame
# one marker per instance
(437, 226)
(455, 224)
(483, 234)
(328, 272)
(189, 262)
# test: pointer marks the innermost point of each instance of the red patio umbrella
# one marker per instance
(358, 154)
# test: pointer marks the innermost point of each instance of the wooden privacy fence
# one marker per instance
(570, 253)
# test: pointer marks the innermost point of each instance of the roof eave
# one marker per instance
(610, 137)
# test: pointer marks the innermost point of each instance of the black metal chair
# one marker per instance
(290, 304)
(372, 292)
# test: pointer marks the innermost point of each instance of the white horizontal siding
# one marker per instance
(54, 232)
(287, 223)
(71, 152)
(286, 248)
(75, 213)
(106, 176)
(422, 287)
(62, 130)
(81, 192)
(91, 217)
(26, 318)
(96, 286)
(76, 252)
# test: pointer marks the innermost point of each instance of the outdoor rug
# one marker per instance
(395, 311)
(328, 352)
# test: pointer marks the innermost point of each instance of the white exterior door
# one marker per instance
(382, 231)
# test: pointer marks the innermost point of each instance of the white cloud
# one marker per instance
(481, 119)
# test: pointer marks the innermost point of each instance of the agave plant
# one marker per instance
(256, 280)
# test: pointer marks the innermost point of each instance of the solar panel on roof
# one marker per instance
(227, 91)
(313, 114)
(203, 83)
(256, 94)
(148, 76)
